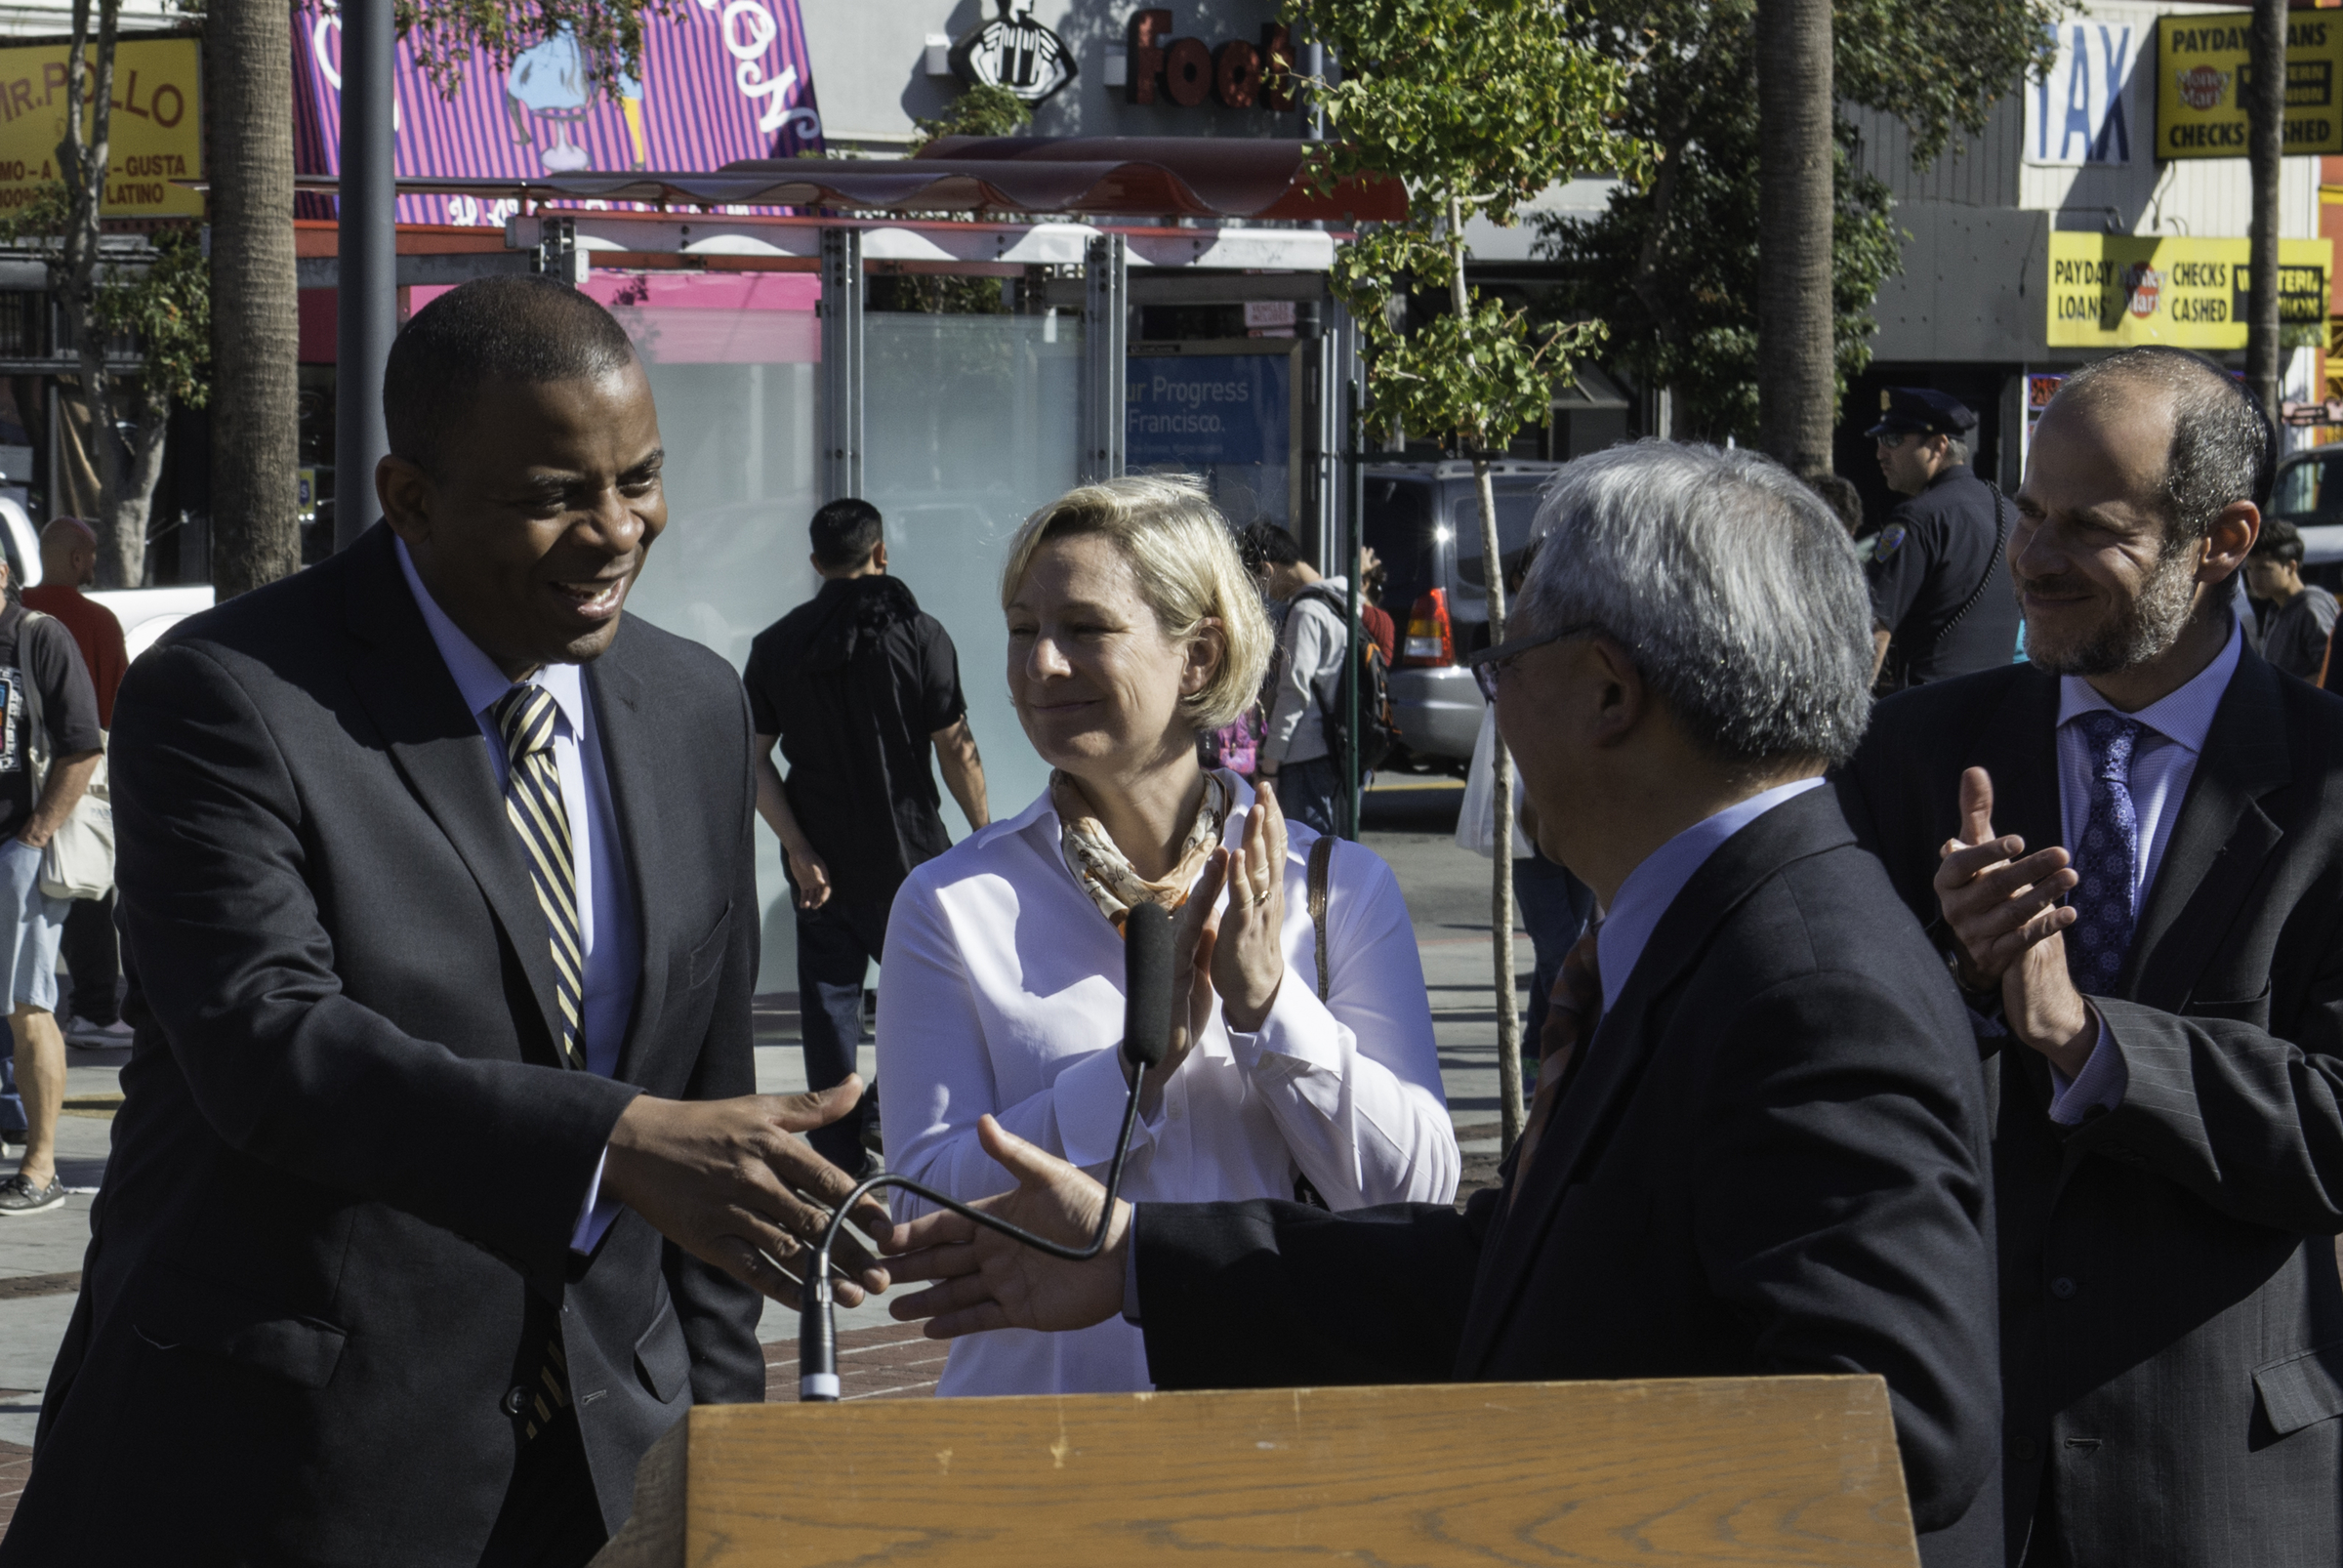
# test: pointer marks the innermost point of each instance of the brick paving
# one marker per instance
(893, 1361)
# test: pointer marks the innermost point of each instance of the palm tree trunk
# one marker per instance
(1797, 402)
(248, 68)
(2265, 107)
(1501, 888)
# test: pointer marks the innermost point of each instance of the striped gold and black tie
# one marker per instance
(524, 716)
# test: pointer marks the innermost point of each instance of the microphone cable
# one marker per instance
(1147, 996)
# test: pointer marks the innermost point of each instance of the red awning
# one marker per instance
(1090, 176)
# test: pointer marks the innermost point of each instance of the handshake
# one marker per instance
(728, 1183)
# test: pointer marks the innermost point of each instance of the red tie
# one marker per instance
(1575, 1009)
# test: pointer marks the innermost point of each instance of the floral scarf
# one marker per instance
(1105, 873)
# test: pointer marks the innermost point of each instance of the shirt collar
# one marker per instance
(476, 676)
(1654, 883)
(2182, 717)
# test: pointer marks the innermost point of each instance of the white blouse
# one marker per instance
(1001, 991)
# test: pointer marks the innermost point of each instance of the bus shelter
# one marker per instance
(1095, 298)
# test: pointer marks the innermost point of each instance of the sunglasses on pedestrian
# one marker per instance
(1489, 666)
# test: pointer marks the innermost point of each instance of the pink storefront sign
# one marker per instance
(706, 319)
(722, 80)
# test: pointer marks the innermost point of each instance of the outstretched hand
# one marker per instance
(986, 1281)
(724, 1180)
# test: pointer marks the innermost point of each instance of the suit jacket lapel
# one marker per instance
(2019, 749)
(437, 747)
(2219, 842)
(631, 752)
(1622, 1045)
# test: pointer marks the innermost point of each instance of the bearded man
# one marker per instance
(2130, 854)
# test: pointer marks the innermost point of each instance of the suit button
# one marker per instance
(2063, 1288)
(2021, 1449)
(515, 1397)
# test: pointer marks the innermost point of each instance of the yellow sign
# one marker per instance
(2201, 76)
(155, 136)
(2111, 291)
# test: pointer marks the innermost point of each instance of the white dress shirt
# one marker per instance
(1003, 991)
(1634, 913)
(2162, 761)
(606, 898)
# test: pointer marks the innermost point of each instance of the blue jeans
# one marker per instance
(836, 945)
(1555, 906)
(1308, 792)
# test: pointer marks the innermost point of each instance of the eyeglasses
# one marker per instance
(1489, 666)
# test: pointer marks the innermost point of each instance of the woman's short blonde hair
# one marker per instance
(1180, 550)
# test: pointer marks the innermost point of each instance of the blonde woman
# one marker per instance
(1132, 628)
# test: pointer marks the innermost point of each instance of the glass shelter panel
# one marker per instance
(970, 421)
(733, 361)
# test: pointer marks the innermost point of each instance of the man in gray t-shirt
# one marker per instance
(2298, 617)
(1304, 676)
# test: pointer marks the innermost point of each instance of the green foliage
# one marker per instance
(609, 33)
(169, 307)
(167, 302)
(981, 110)
(1476, 110)
(1670, 269)
(1700, 342)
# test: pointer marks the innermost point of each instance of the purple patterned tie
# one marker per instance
(2109, 857)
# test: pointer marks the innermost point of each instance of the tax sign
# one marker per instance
(154, 135)
(2201, 73)
(2111, 290)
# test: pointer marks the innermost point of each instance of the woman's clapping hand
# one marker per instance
(1238, 951)
(1247, 957)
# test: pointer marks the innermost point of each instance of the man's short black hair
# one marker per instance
(1264, 545)
(2224, 448)
(2279, 540)
(519, 329)
(845, 533)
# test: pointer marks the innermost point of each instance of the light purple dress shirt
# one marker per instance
(605, 895)
(2162, 762)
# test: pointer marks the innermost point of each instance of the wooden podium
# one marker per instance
(1732, 1473)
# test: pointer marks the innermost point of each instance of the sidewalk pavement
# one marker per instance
(1408, 822)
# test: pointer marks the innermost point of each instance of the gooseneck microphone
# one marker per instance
(1147, 995)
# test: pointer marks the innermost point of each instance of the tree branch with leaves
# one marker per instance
(1476, 110)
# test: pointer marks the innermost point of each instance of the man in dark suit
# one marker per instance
(1770, 1154)
(2166, 1044)
(440, 1187)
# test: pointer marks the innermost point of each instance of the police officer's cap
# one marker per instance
(1922, 411)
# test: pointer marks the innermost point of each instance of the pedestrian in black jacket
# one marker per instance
(2131, 852)
(1769, 1155)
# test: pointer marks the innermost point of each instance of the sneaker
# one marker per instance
(89, 1036)
(19, 1196)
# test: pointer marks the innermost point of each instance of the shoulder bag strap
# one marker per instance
(36, 722)
(2000, 544)
(1322, 859)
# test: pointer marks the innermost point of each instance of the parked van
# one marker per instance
(1424, 520)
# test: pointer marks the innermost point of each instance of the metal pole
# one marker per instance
(1355, 454)
(1105, 347)
(2264, 101)
(842, 364)
(366, 315)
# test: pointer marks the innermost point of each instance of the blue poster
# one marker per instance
(1226, 418)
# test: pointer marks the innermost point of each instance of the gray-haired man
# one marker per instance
(1771, 1151)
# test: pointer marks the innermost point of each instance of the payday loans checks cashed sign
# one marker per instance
(2111, 291)
(2201, 76)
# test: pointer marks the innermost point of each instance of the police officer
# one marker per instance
(1941, 602)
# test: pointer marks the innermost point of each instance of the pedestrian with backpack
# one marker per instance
(1302, 749)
